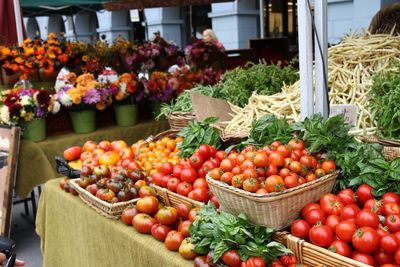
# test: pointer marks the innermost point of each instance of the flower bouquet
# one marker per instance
(127, 91)
(28, 108)
(82, 99)
(202, 55)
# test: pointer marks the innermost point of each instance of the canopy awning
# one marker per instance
(141, 4)
(32, 8)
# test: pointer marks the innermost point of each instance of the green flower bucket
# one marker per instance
(126, 115)
(155, 110)
(34, 130)
(83, 121)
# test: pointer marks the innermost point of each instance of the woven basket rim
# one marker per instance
(275, 195)
(193, 202)
(181, 114)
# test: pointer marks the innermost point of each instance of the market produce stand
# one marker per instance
(36, 163)
(73, 234)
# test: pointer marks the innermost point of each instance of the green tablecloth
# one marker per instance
(73, 234)
(36, 163)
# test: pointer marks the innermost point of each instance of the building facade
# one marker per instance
(233, 22)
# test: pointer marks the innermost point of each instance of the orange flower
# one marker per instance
(101, 106)
(28, 51)
(5, 51)
(119, 96)
(19, 60)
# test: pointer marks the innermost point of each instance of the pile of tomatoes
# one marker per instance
(271, 169)
(152, 155)
(187, 178)
(166, 224)
(355, 225)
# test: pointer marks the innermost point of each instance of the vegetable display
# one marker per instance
(221, 231)
(354, 224)
(351, 66)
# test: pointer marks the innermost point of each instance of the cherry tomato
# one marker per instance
(314, 216)
(216, 173)
(220, 155)
(274, 183)
(284, 150)
(349, 212)
(345, 230)
(261, 160)
(251, 185)
(227, 165)
(363, 257)
(340, 247)
(275, 144)
(291, 181)
(231, 258)
(249, 173)
(296, 155)
(320, 173)
(321, 235)
(365, 239)
(272, 170)
(296, 144)
(332, 221)
(309, 162)
(284, 172)
(347, 196)
(227, 177)
(364, 192)
(367, 218)
(328, 166)
(300, 228)
(389, 243)
(331, 204)
(277, 159)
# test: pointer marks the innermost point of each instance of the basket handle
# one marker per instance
(295, 244)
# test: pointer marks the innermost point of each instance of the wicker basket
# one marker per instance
(172, 199)
(386, 20)
(109, 210)
(277, 210)
(391, 148)
(313, 255)
(168, 133)
(178, 120)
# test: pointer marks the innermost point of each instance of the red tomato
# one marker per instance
(309, 206)
(345, 230)
(73, 153)
(275, 144)
(200, 194)
(300, 228)
(375, 206)
(291, 181)
(389, 243)
(216, 173)
(251, 185)
(227, 177)
(390, 197)
(309, 162)
(284, 150)
(253, 262)
(227, 165)
(321, 235)
(391, 208)
(167, 215)
(167, 168)
(383, 231)
(184, 188)
(276, 263)
(288, 161)
(364, 192)
(277, 159)
(349, 212)
(365, 239)
(183, 227)
(296, 144)
(261, 160)
(288, 260)
(328, 166)
(296, 155)
(196, 161)
(160, 232)
(382, 257)
(340, 247)
(330, 204)
(172, 184)
(296, 167)
(165, 179)
(183, 210)
(173, 240)
(367, 218)
(347, 196)
(397, 234)
(320, 173)
(204, 151)
(231, 258)
(249, 173)
(397, 256)
(157, 178)
(177, 170)
(209, 165)
(188, 175)
(193, 214)
(128, 214)
(200, 183)
(284, 172)
(143, 223)
(274, 183)
(220, 155)
(363, 257)
(237, 181)
(392, 222)
(272, 170)
(332, 221)
(214, 200)
(148, 204)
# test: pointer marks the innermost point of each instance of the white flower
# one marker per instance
(4, 115)
(56, 107)
(65, 99)
(59, 85)
(25, 100)
(122, 86)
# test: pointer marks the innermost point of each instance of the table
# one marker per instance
(36, 163)
(73, 234)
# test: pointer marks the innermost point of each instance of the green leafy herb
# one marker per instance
(198, 133)
(221, 231)
(268, 129)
